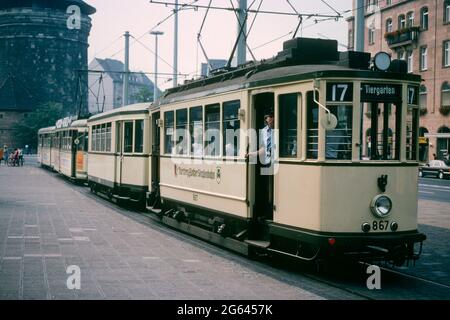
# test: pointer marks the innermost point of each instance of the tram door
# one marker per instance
(264, 182)
(119, 152)
(155, 138)
(74, 146)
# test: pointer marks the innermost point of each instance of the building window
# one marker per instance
(424, 18)
(423, 98)
(446, 54)
(389, 25)
(1, 116)
(447, 11)
(423, 58)
(401, 55)
(401, 22)
(445, 95)
(371, 35)
(410, 59)
(388, 2)
(410, 19)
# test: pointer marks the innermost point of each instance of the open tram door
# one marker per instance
(154, 198)
(263, 183)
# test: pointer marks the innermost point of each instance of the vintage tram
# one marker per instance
(344, 173)
(119, 153)
(63, 148)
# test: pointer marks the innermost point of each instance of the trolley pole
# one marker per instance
(359, 26)
(155, 85)
(175, 47)
(126, 69)
(242, 44)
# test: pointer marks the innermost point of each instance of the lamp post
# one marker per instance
(155, 88)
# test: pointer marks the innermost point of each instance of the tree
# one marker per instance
(143, 95)
(45, 115)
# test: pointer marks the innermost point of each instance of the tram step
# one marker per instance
(154, 210)
(119, 197)
(259, 244)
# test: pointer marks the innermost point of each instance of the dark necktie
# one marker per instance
(269, 142)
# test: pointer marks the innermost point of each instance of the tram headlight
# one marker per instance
(381, 206)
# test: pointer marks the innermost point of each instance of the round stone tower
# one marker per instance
(43, 45)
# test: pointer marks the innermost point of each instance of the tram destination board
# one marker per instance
(375, 92)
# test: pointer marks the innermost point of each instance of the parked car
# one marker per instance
(436, 168)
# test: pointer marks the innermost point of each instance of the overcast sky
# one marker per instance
(114, 17)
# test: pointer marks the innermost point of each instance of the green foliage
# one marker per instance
(143, 95)
(46, 115)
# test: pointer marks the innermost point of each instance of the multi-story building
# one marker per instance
(106, 86)
(417, 31)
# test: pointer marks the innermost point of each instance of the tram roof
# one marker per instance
(265, 75)
(79, 123)
(47, 130)
(130, 109)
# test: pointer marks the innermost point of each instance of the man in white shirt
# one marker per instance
(265, 154)
(266, 145)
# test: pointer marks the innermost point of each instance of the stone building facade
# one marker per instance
(43, 46)
(417, 31)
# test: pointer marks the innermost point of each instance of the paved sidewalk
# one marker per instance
(48, 224)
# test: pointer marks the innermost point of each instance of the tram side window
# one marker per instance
(381, 137)
(168, 131)
(312, 125)
(288, 124)
(181, 146)
(81, 137)
(128, 137)
(102, 137)
(196, 130)
(139, 136)
(231, 128)
(212, 130)
(98, 138)
(93, 134)
(108, 137)
(338, 142)
(61, 139)
(412, 124)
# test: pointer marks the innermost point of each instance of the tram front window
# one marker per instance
(380, 127)
(339, 141)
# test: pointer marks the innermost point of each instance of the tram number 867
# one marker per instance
(380, 225)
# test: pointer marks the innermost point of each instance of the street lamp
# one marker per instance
(155, 88)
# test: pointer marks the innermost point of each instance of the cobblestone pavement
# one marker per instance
(48, 224)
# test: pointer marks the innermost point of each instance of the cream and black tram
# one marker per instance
(45, 136)
(119, 151)
(344, 170)
(63, 148)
